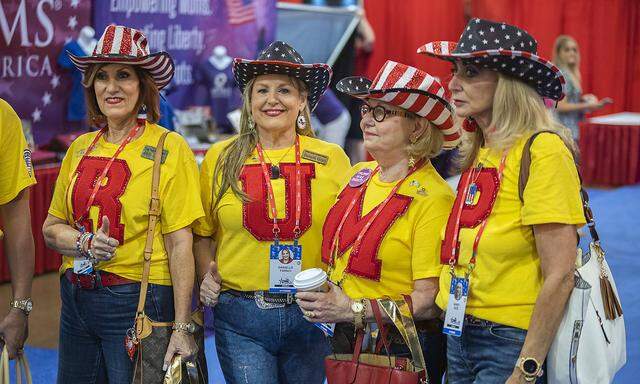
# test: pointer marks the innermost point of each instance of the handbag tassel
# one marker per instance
(612, 308)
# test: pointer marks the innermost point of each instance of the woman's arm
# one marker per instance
(556, 246)
(207, 270)
(335, 306)
(181, 266)
(61, 237)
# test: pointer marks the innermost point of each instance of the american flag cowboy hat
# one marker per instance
(282, 59)
(408, 88)
(124, 45)
(503, 48)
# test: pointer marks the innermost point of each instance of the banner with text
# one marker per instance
(32, 36)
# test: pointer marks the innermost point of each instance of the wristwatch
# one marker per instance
(358, 309)
(25, 305)
(184, 327)
(530, 368)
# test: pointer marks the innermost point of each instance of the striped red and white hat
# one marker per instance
(124, 45)
(408, 88)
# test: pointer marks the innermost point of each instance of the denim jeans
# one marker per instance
(93, 325)
(486, 353)
(267, 346)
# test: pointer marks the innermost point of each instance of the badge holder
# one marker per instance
(285, 262)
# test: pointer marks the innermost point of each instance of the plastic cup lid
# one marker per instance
(310, 278)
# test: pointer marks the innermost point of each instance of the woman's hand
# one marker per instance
(330, 307)
(181, 343)
(103, 247)
(210, 287)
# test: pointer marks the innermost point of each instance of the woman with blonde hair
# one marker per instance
(513, 257)
(381, 237)
(267, 190)
(571, 110)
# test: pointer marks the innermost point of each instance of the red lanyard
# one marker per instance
(272, 199)
(98, 183)
(377, 212)
(453, 260)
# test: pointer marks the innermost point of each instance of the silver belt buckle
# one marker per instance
(262, 304)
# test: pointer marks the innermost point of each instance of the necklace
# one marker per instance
(275, 168)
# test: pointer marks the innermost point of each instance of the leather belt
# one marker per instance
(276, 298)
(96, 279)
(474, 321)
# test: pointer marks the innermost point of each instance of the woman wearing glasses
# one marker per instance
(381, 237)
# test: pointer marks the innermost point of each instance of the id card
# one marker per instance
(82, 266)
(454, 317)
(285, 262)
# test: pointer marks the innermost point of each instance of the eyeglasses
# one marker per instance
(380, 112)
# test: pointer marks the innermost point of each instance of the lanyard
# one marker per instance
(453, 260)
(272, 199)
(98, 183)
(356, 198)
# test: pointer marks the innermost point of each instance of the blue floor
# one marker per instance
(616, 211)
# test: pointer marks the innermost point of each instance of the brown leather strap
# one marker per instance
(383, 330)
(154, 217)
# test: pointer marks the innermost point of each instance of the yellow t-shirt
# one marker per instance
(243, 232)
(15, 156)
(403, 242)
(507, 278)
(125, 197)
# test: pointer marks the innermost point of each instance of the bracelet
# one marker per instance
(84, 239)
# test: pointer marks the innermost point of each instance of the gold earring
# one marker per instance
(412, 162)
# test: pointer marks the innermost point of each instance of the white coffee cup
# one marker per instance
(311, 280)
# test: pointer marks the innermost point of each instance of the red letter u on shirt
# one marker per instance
(363, 261)
(255, 212)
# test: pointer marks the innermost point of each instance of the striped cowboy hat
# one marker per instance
(408, 88)
(124, 45)
(504, 48)
(282, 59)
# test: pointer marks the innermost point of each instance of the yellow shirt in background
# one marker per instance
(125, 197)
(402, 244)
(15, 156)
(243, 232)
(507, 278)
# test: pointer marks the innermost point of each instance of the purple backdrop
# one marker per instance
(32, 35)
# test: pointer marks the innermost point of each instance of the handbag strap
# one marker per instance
(4, 365)
(22, 365)
(383, 329)
(154, 217)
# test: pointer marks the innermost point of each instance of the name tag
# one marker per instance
(454, 317)
(285, 262)
(82, 266)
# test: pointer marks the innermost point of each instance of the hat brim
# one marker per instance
(360, 87)
(544, 76)
(159, 65)
(315, 76)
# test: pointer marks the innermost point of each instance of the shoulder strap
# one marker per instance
(154, 217)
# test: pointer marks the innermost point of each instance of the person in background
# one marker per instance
(514, 258)
(571, 109)
(334, 119)
(265, 190)
(99, 215)
(16, 178)
(381, 238)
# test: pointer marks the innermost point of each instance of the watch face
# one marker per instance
(28, 306)
(357, 306)
(530, 366)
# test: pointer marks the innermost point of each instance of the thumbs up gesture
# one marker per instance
(210, 287)
(103, 247)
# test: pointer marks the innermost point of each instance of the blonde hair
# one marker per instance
(572, 73)
(429, 144)
(232, 158)
(517, 110)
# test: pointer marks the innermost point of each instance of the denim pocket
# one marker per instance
(504, 332)
(123, 290)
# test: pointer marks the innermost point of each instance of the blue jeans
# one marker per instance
(267, 346)
(93, 325)
(486, 353)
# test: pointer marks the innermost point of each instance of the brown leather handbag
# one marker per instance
(152, 338)
(368, 368)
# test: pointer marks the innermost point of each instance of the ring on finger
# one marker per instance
(309, 314)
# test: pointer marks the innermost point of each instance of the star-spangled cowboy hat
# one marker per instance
(124, 45)
(408, 88)
(282, 59)
(504, 48)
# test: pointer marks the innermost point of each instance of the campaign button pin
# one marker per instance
(360, 178)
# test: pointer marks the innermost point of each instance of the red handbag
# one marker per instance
(368, 368)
